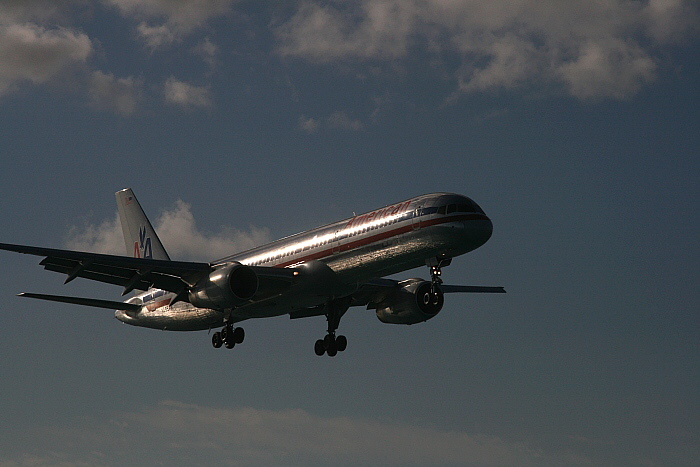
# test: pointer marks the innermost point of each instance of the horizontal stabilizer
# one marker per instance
(113, 305)
(471, 289)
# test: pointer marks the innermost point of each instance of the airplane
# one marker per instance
(319, 272)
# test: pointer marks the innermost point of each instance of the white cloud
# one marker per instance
(177, 230)
(187, 95)
(614, 69)
(179, 233)
(105, 238)
(208, 51)
(29, 52)
(156, 36)
(166, 21)
(366, 29)
(309, 125)
(594, 49)
(342, 121)
(173, 433)
(118, 94)
(338, 120)
(23, 11)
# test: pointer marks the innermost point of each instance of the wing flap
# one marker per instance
(140, 273)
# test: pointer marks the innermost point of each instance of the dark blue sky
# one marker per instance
(574, 125)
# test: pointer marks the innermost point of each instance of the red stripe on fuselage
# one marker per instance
(363, 241)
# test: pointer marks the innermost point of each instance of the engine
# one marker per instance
(226, 287)
(413, 303)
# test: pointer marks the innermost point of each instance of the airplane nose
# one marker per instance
(480, 230)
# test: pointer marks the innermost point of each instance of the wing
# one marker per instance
(130, 273)
(376, 290)
(471, 289)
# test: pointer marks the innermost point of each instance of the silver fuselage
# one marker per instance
(378, 243)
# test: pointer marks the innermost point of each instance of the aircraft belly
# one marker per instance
(180, 317)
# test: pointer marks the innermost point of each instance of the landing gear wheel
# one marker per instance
(216, 340)
(341, 343)
(238, 335)
(319, 348)
(331, 345)
(228, 337)
(332, 350)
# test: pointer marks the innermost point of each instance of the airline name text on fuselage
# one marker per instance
(378, 214)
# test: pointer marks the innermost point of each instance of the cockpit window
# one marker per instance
(469, 206)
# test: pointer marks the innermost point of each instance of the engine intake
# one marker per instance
(226, 287)
(412, 303)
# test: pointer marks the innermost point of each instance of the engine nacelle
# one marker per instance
(226, 287)
(412, 303)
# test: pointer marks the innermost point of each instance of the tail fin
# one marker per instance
(140, 238)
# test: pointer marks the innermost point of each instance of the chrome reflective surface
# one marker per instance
(381, 242)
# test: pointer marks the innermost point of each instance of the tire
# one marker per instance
(341, 343)
(216, 340)
(332, 350)
(319, 348)
(238, 335)
(328, 341)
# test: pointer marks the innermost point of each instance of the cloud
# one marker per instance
(29, 52)
(186, 95)
(173, 433)
(36, 11)
(207, 51)
(120, 95)
(593, 49)
(177, 230)
(338, 120)
(309, 125)
(163, 22)
(614, 69)
(156, 36)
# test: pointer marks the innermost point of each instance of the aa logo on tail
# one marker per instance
(142, 248)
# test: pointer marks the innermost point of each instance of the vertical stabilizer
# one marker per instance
(140, 238)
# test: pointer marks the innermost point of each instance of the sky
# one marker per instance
(574, 125)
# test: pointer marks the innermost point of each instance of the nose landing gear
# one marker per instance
(435, 265)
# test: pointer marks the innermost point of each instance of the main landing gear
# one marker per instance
(228, 337)
(332, 344)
